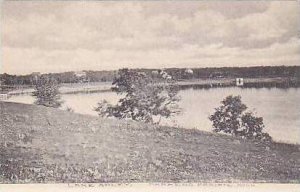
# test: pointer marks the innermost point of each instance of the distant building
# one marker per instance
(155, 72)
(188, 74)
(142, 73)
(165, 75)
(3, 96)
(80, 74)
(239, 81)
(189, 71)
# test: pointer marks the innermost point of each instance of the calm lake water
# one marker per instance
(280, 108)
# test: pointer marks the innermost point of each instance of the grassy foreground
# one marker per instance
(40, 144)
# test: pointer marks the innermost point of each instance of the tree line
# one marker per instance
(65, 77)
(176, 73)
(234, 72)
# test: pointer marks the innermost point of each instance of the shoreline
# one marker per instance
(98, 87)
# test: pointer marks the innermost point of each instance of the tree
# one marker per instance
(47, 92)
(232, 118)
(145, 98)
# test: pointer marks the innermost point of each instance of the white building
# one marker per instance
(3, 96)
(189, 71)
(165, 75)
(239, 81)
(80, 74)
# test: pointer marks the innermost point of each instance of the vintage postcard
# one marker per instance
(150, 95)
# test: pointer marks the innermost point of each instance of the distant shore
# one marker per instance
(95, 87)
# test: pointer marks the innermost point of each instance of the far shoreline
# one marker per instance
(99, 87)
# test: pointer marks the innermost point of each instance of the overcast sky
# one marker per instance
(66, 36)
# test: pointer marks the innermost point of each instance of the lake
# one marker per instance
(280, 108)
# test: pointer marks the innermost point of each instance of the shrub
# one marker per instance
(69, 109)
(145, 97)
(232, 118)
(47, 92)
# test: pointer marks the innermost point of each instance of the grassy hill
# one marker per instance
(40, 144)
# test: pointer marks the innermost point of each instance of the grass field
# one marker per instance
(40, 144)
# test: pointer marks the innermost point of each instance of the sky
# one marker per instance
(57, 36)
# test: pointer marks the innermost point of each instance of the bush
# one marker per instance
(145, 97)
(69, 109)
(47, 92)
(232, 118)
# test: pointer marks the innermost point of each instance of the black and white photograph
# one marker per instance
(153, 92)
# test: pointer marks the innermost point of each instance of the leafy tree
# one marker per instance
(252, 127)
(232, 118)
(47, 92)
(144, 97)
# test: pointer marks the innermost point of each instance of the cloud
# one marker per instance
(63, 36)
(190, 55)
